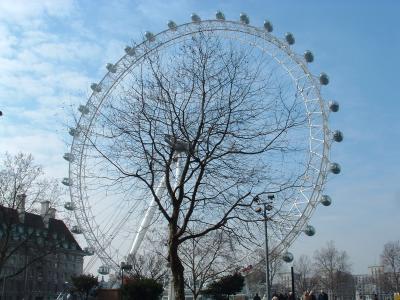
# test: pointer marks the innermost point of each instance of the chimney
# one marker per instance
(52, 212)
(21, 207)
(44, 212)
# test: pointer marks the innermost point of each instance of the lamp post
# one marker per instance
(127, 267)
(267, 207)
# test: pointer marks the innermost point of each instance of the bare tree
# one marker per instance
(275, 265)
(217, 114)
(332, 268)
(390, 258)
(20, 175)
(22, 188)
(255, 277)
(255, 280)
(149, 265)
(206, 259)
(305, 279)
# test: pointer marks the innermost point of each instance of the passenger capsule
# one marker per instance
(83, 109)
(111, 68)
(323, 79)
(149, 36)
(220, 16)
(68, 157)
(337, 136)
(333, 106)
(95, 87)
(287, 257)
(334, 168)
(326, 200)
(75, 229)
(69, 206)
(244, 19)
(308, 56)
(73, 132)
(88, 251)
(309, 230)
(66, 181)
(268, 26)
(195, 18)
(103, 270)
(130, 51)
(172, 25)
(289, 38)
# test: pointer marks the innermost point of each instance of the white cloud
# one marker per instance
(7, 41)
(40, 74)
(45, 145)
(67, 51)
(25, 13)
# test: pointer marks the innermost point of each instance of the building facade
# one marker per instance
(38, 254)
(376, 284)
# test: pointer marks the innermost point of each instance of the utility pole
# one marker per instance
(267, 277)
(267, 207)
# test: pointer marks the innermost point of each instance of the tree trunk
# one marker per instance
(176, 266)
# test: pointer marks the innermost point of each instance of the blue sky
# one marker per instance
(51, 50)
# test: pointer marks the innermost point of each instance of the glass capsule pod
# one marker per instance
(68, 156)
(172, 25)
(289, 37)
(308, 56)
(324, 79)
(83, 109)
(149, 36)
(309, 230)
(287, 257)
(268, 26)
(68, 206)
(66, 181)
(130, 51)
(75, 229)
(335, 168)
(195, 18)
(337, 136)
(326, 200)
(220, 16)
(95, 87)
(244, 18)
(73, 132)
(333, 106)
(111, 68)
(103, 270)
(88, 251)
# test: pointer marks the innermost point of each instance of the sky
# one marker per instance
(51, 50)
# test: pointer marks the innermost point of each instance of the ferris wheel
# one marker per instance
(114, 210)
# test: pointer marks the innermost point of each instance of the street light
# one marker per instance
(267, 207)
(126, 267)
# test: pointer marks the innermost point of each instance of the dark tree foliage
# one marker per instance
(227, 285)
(142, 289)
(84, 285)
